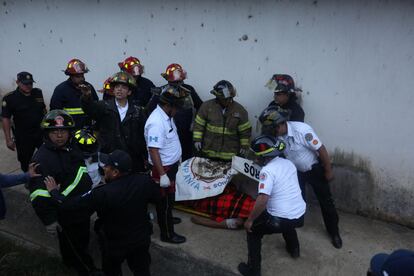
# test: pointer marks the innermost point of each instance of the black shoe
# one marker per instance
(246, 270)
(336, 241)
(175, 238)
(294, 252)
(176, 220)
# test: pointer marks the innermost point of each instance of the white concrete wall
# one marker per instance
(353, 59)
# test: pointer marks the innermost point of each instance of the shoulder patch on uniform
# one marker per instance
(261, 186)
(263, 176)
(308, 137)
(315, 142)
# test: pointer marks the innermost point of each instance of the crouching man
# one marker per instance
(279, 207)
(123, 227)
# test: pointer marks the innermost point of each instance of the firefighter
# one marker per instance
(307, 152)
(175, 75)
(59, 158)
(164, 155)
(67, 95)
(285, 96)
(107, 91)
(24, 107)
(121, 121)
(279, 206)
(123, 226)
(141, 93)
(222, 128)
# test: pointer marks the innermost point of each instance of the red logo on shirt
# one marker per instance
(315, 142)
(261, 186)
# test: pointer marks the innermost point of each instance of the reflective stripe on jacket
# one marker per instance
(222, 135)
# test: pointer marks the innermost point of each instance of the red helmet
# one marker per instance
(174, 72)
(76, 66)
(132, 65)
(107, 89)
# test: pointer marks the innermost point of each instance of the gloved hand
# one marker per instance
(53, 228)
(197, 146)
(164, 181)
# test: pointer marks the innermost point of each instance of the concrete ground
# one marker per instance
(218, 252)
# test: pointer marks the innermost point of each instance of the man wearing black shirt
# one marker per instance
(123, 227)
(26, 107)
(66, 95)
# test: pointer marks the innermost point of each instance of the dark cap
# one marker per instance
(398, 263)
(25, 78)
(118, 159)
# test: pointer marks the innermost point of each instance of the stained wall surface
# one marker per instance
(353, 60)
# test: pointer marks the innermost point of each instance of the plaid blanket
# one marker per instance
(230, 204)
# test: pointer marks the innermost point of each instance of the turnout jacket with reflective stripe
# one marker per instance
(67, 97)
(68, 168)
(222, 135)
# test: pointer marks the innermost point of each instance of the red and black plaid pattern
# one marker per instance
(230, 204)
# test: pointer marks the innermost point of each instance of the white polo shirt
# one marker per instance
(302, 145)
(279, 180)
(161, 133)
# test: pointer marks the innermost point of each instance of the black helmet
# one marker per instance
(267, 146)
(123, 78)
(224, 89)
(273, 115)
(175, 95)
(57, 119)
(86, 141)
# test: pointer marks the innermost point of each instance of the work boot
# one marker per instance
(336, 241)
(294, 252)
(246, 270)
(175, 239)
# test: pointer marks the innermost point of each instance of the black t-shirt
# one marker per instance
(27, 111)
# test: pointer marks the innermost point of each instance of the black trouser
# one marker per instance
(25, 147)
(267, 224)
(138, 259)
(316, 178)
(186, 141)
(166, 204)
(73, 244)
(164, 215)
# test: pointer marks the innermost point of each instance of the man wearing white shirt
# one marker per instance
(121, 121)
(279, 207)
(164, 155)
(306, 151)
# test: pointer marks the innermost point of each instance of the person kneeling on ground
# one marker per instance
(279, 207)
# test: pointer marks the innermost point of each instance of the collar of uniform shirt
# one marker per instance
(166, 117)
(289, 130)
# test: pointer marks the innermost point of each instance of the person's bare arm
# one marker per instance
(238, 222)
(326, 162)
(6, 122)
(156, 160)
(258, 208)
